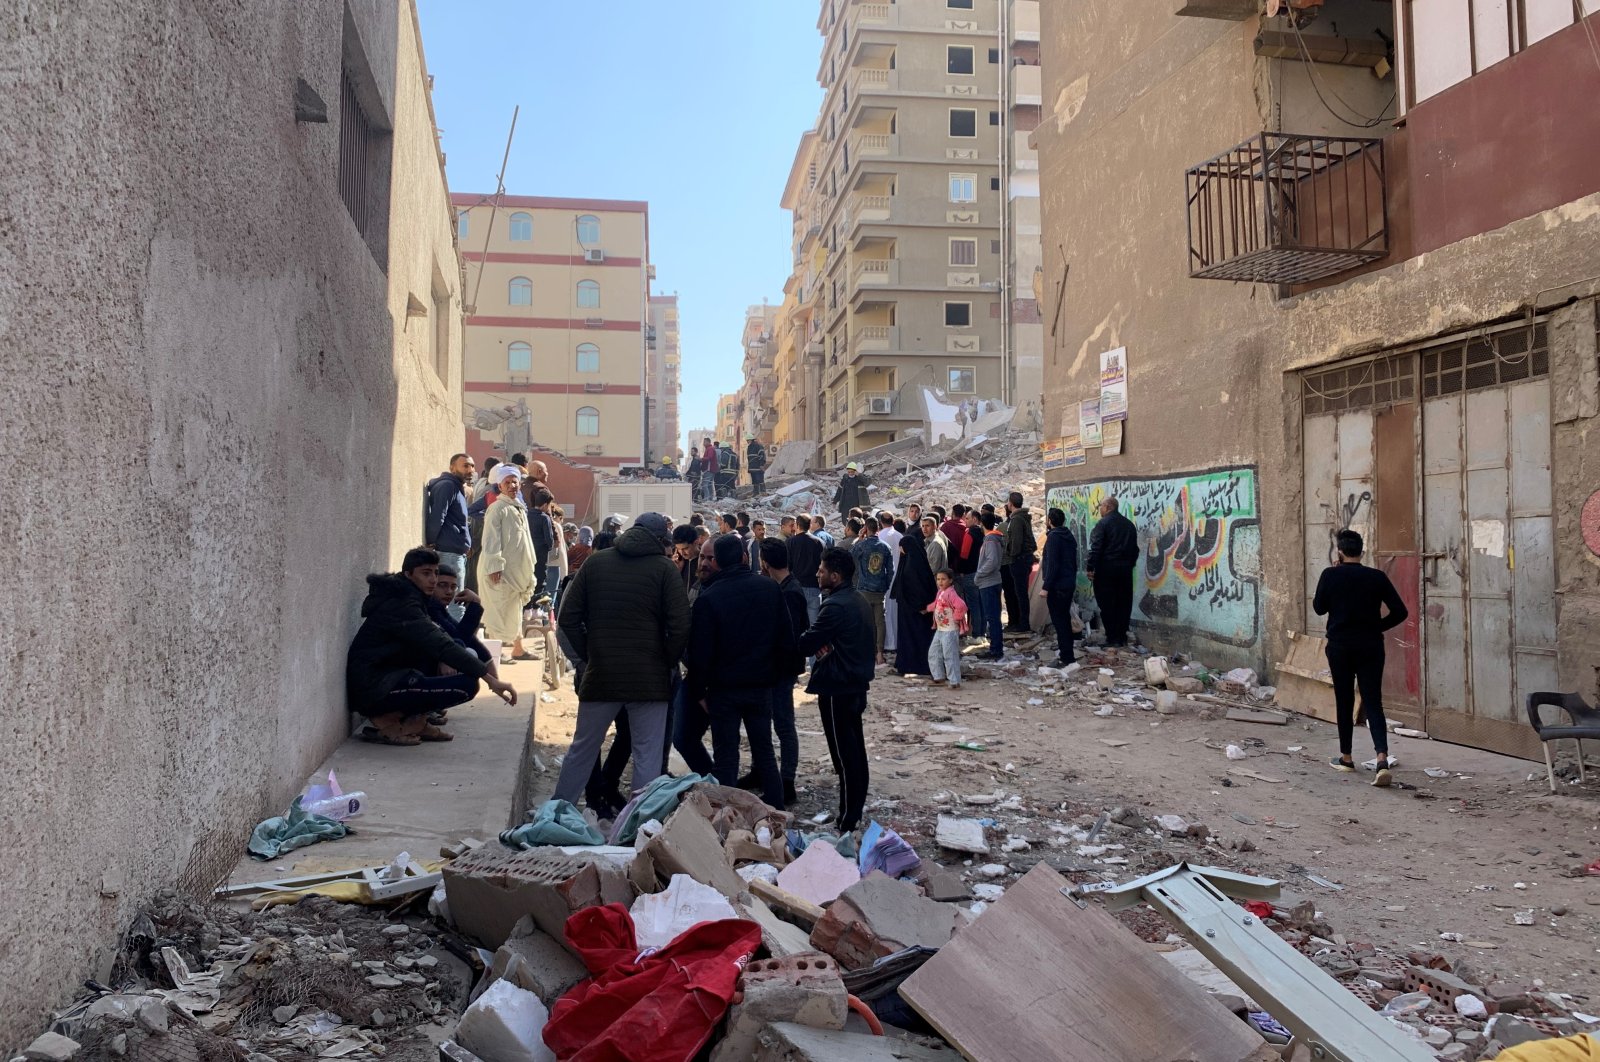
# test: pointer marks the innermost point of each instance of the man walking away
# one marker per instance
(775, 566)
(1058, 580)
(392, 670)
(740, 642)
(805, 553)
(987, 577)
(1018, 554)
(755, 463)
(445, 528)
(841, 642)
(874, 566)
(1350, 595)
(627, 617)
(1113, 551)
(852, 490)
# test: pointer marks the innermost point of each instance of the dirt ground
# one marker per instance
(1461, 854)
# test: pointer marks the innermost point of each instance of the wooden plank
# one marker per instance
(793, 908)
(1071, 983)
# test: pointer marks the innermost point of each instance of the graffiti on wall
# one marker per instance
(1201, 537)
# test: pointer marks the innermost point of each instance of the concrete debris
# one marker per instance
(537, 962)
(804, 989)
(51, 1047)
(961, 835)
(819, 875)
(879, 916)
(492, 888)
(785, 1042)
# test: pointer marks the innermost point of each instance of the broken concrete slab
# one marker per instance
(51, 1047)
(787, 905)
(533, 960)
(492, 888)
(786, 1042)
(819, 875)
(804, 989)
(879, 916)
(942, 883)
(780, 938)
(688, 844)
(1257, 715)
(961, 835)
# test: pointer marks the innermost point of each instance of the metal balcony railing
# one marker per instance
(1283, 208)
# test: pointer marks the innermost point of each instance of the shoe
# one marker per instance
(749, 781)
(1340, 764)
(939, 682)
(955, 685)
(433, 733)
(1384, 778)
(439, 718)
(790, 797)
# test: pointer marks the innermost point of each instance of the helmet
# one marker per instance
(666, 460)
(613, 522)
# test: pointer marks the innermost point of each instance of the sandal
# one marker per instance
(378, 737)
(433, 733)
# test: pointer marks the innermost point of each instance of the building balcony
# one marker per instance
(1027, 86)
(873, 15)
(872, 272)
(873, 81)
(881, 405)
(868, 209)
(875, 145)
(865, 338)
(1282, 208)
(1025, 20)
(1024, 159)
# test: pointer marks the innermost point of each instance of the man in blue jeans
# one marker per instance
(988, 577)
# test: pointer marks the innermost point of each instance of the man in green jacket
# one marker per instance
(1018, 548)
(626, 616)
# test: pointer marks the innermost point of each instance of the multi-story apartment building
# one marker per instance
(557, 295)
(1336, 267)
(727, 419)
(662, 383)
(757, 410)
(1021, 327)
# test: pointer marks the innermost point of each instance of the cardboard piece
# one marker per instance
(1072, 983)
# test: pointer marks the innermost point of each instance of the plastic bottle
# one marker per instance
(328, 800)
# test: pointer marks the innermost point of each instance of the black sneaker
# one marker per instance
(790, 797)
(1340, 764)
(749, 780)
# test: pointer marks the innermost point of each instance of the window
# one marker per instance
(994, 117)
(588, 357)
(963, 252)
(365, 150)
(588, 295)
(994, 184)
(958, 59)
(439, 334)
(521, 226)
(461, 224)
(963, 122)
(957, 314)
(963, 188)
(520, 292)
(519, 358)
(994, 55)
(1447, 41)
(588, 420)
(588, 229)
(964, 5)
(963, 380)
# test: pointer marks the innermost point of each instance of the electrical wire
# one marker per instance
(1360, 120)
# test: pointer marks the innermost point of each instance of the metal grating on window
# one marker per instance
(1486, 359)
(355, 139)
(1379, 381)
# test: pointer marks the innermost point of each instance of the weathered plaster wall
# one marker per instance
(199, 426)
(1134, 96)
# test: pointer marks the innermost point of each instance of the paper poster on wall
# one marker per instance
(1111, 443)
(1073, 455)
(1089, 421)
(1051, 451)
(1114, 385)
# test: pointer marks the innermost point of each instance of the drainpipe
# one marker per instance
(1006, 355)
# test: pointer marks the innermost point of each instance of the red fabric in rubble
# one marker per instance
(659, 1009)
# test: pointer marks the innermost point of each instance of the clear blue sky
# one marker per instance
(695, 107)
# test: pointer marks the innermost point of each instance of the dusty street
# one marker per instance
(1433, 855)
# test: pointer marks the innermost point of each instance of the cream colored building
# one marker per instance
(756, 412)
(557, 294)
(662, 382)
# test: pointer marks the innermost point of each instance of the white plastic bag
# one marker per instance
(658, 917)
(505, 1024)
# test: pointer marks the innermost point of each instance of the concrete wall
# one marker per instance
(206, 430)
(1134, 96)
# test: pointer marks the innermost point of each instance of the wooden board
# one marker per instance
(1070, 983)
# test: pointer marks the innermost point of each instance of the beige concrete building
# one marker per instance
(663, 383)
(230, 370)
(558, 292)
(1338, 266)
(757, 411)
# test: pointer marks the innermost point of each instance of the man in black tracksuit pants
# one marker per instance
(1113, 551)
(843, 642)
(1350, 595)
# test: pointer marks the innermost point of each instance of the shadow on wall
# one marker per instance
(1197, 588)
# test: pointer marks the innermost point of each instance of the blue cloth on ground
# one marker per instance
(556, 822)
(284, 833)
(656, 801)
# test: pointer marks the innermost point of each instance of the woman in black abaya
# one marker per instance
(914, 589)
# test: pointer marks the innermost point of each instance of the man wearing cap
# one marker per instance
(626, 616)
(506, 566)
(852, 490)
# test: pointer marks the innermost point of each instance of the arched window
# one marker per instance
(588, 295)
(588, 357)
(520, 291)
(588, 229)
(521, 226)
(519, 358)
(588, 420)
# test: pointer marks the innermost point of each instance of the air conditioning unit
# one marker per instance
(594, 388)
(594, 256)
(650, 272)
(594, 450)
(593, 322)
(880, 405)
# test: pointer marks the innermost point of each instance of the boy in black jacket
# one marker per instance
(844, 645)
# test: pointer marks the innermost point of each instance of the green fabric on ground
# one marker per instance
(556, 822)
(285, 833)
(658, 800)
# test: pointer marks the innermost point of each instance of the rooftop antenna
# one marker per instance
(499, 193)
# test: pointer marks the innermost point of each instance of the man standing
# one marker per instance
(965, 563)
(821, 533)
(954, 529)
(740, 643)
(755, 463)
(874, 566)
(1058, 580)
(392, 669)
(627, 617)
(668, 470)
(1018, 555)
(710, 461)
(758, 535)
(543, 534)
(805, 553)
(937, 546)
(1113, 551)
(775, 566)
(852, 490)
(506, 567)
(890, 536)
(988, 580)
(1352, 595)
(445, 527)
(841, 642)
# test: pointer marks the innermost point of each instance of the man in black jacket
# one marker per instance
(391, 672)
(445, 526)
(755, 463)
(1113, 551)
(740, 644)
(842, 642)
(775, 566)
(805, 553)
(1058, 581)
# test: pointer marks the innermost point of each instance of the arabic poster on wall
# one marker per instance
(1114, 385)
(1050, 450)
(1111, 445)
(1089, 422)
(1073, 454)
